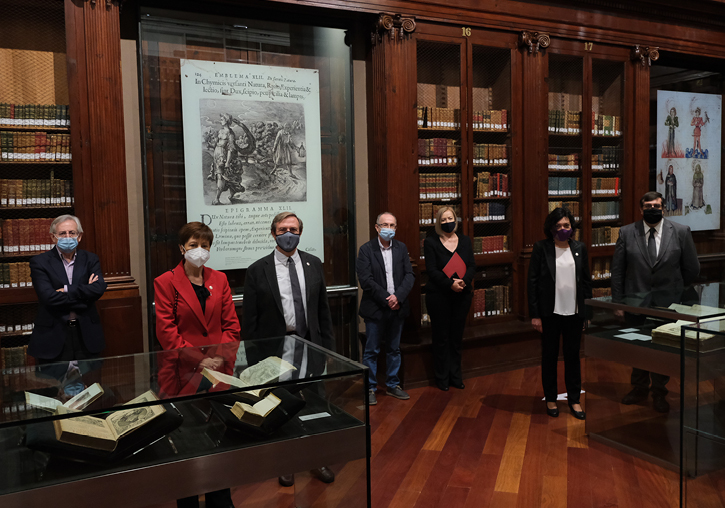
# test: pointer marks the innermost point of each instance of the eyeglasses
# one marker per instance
(294, 231)
(66, 234)
(389, 226)
(652, 207)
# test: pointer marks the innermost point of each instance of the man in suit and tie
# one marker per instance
(285, 293)
(68, 281)
(386, 278)
(653, 254)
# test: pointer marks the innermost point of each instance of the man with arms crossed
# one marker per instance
(386, 278)
(652, 254)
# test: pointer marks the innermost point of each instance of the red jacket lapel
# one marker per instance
(183, 286)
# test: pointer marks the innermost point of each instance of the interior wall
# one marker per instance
(134, 174)
(362, 208)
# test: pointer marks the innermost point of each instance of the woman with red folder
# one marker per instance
(194, 308)
(448, 294)
(559, 282)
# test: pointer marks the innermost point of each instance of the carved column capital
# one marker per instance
(533, 41)
(109, 3)
(396, 26)
(645, 55)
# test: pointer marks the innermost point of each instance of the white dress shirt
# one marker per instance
(658, 235)
(288, 307)
(387, 253)
(565, 293)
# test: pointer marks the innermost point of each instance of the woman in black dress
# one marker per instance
(448, 295)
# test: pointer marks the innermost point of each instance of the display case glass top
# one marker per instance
(51, 391)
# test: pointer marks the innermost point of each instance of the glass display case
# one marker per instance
(150, 428)
(675, 337)
(703, 409)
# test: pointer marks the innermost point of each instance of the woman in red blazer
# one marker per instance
(194, 308)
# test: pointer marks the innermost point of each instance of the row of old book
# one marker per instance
(428, 211)
(25, 236)
(601, 268)
(572, 206)
(564, 186)
(439, 185)
(606, 125)
(443, 96)
(492, 185)
(569, 162)
(488, 154)
(438, 152)
(605, 210)
(565, 122)
(35, 193)
(490, 244)
(484, 212)
(493, 301)
(13, 359)
(15, 275)
(601, 292)
(439, 118)
(605, 186)
(19, 146)
(38, 115)
(495, 120)
(607, 235)
(606, 158)
(17, 320)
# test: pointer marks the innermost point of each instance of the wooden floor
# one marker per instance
(492, 445)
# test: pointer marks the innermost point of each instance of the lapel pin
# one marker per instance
(308, 264)
(211, 287)
(576, 253)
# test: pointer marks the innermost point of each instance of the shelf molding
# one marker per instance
(533, 41)
(645, 55)
(396, 26)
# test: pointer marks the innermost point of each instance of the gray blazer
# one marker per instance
(677, 265)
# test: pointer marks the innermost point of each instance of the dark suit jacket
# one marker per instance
(542, 278)
(263, 314)
(370, 269)
(677, 265)
(49, 331)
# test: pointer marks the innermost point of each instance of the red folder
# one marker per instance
(455, 266)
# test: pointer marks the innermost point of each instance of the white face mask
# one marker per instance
(197, 257)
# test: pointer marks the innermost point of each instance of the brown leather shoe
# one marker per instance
(324, 474)
(286, 480)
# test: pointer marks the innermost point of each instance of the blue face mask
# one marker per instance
(288, 241)
(387, 234)
(67, 245)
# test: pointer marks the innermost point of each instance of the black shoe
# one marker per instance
(441, 386)
(286, 480)
(579, 415)
(660, 404)
(634, 397)
(460, 385)
(324, 474)
(553, 412)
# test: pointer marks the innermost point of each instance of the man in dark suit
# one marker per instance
(656, 255)
(386, 278)
(68, 281)
(285, 293)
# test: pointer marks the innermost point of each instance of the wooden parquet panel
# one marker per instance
(492, 445)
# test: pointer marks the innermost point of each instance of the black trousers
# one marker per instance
(569, 328)
(73, 349)
(448, 313)
(640, 380)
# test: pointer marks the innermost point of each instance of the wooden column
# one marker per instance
(534, 202)
(641, 60)
(99, 165)
(96, 110)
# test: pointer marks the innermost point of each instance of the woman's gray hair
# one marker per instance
(64, 218)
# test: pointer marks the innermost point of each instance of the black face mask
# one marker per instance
(448, 227)
(652, 216)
